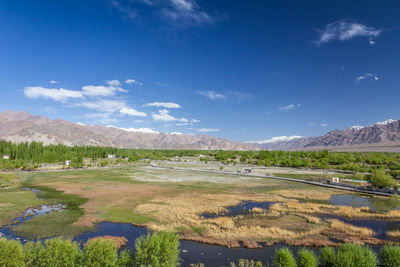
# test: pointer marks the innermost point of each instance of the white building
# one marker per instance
(111, 156)
(67, 163)
(6, 157)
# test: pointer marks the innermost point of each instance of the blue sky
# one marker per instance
(242, 70)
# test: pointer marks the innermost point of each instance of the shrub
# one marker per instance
(352, 255)
(307, 258)
(125, 259)
(157, 250)
(11, 253)
(284, 258)
(100, 252)
(390, 256)
(327, 256)
(55, 252)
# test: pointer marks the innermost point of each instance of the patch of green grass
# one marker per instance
(126, 215)
(14, 202)
(51, 225)
(198, 230)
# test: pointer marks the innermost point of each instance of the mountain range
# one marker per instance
(381, 136)
(23, 127)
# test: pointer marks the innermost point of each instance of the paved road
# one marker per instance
(280, 178)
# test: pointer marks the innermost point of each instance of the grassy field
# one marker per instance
(166, 199)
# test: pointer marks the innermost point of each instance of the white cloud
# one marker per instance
(100, 90)
(132, 81)
(107, 106)
(132, 112)
(136, 130)
(163, 115)
(367, 75)
(324, 125)
(61, 94)
(207, 130)
(372, 42)
(53, 82)
(113, 83)
(212, 95)
(187, 12)
(344, 30)
(163, 104)
(311, 124)
(289, 107)
(177, 12)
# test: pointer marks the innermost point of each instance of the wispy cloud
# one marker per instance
(104, 118)
(289, 107)
(163, 105)
(61, 94)
(164, 116)
(53, 82)
(212, 95)
(367, 75)
(132, 81)
(111, 106)
(207, 130)
(344, 30)
(132, 112)
(324, 125)
(177, 12)
(311, 124)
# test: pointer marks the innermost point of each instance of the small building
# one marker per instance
(335, 180)
(247, 171)
(6, 157)
(67, 163)
(111, 156)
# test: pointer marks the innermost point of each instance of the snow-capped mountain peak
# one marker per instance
(275, 139)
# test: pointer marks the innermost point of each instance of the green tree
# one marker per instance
(11, 254)
(284, 258)
(327, 256)
(390, 256)
(100, 252)
(307, 258)
(381, 179)
(158, 250)
(53, 252)
(352, 255)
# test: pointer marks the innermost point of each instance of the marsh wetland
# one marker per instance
(220, 217)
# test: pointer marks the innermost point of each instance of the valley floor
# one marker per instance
(211, 208)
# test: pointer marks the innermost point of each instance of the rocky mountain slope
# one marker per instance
(24, 127)
(378, 135)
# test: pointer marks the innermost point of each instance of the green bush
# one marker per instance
(327, 256)
(307, 258)
(125, 259)
(284, 258)
(53, 252)
(11, 253)
(158, 250)
(352, 255)
(99, 253)
(390, 256)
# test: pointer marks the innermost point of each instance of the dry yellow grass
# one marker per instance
(311, 219)
(306, 194)
(345, 211)
(350, 229)
(394, 233)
